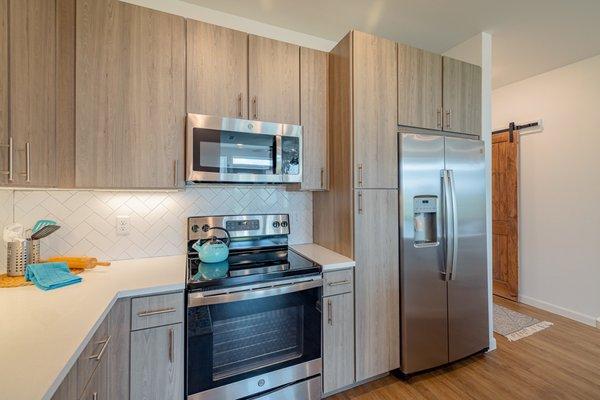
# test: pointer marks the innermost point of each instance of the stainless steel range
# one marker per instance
(254, 320)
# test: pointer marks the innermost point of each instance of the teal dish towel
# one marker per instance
(51, 275)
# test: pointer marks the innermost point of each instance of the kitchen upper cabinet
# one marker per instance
(217, 70)
(157, 367)
(377, 283)
(419, 88)
(274, 80)
(375, 110)
(338, 332)
(130, 96)
(31, 101)
(313, 117)
(462, 97)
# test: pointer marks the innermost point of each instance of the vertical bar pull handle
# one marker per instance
(239, 105)
(360, 175)
(95, 396)
(446, 218)
(360, 203)
(175, 172)
(454, 226)
(322, 179)
(27, 173)
(448, 118)
(171, 345)
(254, 108)
(329, 312)
(439, 118)
(9, 171)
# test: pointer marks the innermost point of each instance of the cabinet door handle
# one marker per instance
(9, 171)
(156, 312)
(439, 118)
(98, 356)
(239, 105)
(27, 173)
(448, 119)
(329, 312)
(175, 172)
(360, 175)
(344, 282)
(254, 108)
(171, 345)
(95, 396)
(322, 178)
(360, 203)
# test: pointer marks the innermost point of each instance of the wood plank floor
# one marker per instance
(561, 362)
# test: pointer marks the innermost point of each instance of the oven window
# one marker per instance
(290, 155)
(233, 152)
(233, 341)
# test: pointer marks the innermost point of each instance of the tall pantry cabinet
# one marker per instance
(358, 217)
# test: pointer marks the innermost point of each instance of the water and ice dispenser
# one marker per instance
(425, 220)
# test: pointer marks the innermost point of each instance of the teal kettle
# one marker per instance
(213, 250)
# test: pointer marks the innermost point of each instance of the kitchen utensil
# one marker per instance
(19, 254)
(80, 262)
(13, 232)
(42, 223)
(45, 231)
(213, 250)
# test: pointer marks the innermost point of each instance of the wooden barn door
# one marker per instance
(505, 220)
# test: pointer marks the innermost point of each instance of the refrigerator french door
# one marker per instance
(443, 272)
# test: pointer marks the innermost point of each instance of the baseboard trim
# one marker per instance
(564, 312)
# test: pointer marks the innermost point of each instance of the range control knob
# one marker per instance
(284, 224)
(276, 224)
(195, 228)
(205, 228)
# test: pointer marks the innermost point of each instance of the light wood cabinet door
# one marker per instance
(118, 353)
(338, 342)
(4, 90)
(313, 117)
(32, 56)
(157, 366)
(376, 282)
(375, 111)
(274, 80)
(419, 88)
(462, 97)
(130, 96)
(217, 70)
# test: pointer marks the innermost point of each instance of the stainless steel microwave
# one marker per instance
(238, 150)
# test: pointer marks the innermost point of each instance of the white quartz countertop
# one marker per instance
(329, 260)
(43, 333)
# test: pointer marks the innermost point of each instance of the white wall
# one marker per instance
(199, 13)
(478, 51)
(559, 187)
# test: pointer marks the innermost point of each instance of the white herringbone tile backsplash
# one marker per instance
(158, 220)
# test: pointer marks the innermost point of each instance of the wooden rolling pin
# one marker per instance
(80, 262)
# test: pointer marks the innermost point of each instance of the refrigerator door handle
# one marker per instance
(454, 226)
(448, 239)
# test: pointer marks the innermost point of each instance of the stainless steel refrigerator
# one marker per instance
(443, 276)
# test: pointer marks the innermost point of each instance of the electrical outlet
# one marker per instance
(123, 225)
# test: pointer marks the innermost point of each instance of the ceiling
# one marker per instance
(529, 36)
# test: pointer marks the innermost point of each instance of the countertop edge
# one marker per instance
(347, 263)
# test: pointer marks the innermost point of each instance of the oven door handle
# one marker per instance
(202, 299)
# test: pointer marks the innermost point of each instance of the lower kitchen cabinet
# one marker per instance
(157, 367)
(338, 331)
(97, 387)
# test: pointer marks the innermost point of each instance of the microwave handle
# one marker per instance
(200, 299)
(278, 156)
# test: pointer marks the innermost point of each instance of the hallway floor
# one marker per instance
(561, 362)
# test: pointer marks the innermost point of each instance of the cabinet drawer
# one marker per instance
(92, 356)
(337, 282)
(151, 311)
(97, 387)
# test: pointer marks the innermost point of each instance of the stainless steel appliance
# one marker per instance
(443, 277)
(254, 320)
(237, 150)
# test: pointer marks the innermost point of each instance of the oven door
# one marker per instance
(253, 341)
(236, 150)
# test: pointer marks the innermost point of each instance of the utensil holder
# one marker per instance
(19, 254)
